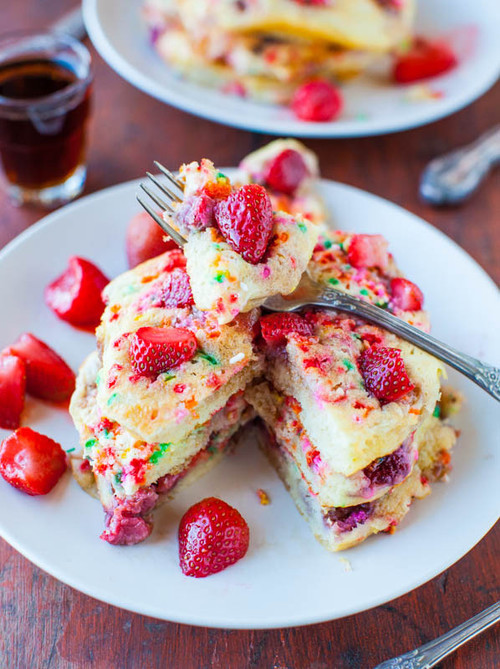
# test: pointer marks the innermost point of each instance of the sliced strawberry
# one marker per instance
(12, 388)
(384, 373)
(406, 295)
(245, 219)
(145, 240)
(424, 60)
(317, 100)
(156, 350)
(75, 296)
(368, 251)
(173, 291)
(286, 172)
(31, 461)
(212, 536)
(275, 328)
(195, 213)
(47, 375)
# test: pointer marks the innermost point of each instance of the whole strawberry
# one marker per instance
(245, 220)
(212, 536)
(156, 350)
(286, 172)
(384, 373)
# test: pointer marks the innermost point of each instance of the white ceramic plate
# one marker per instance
(287, 578)
(372, 108)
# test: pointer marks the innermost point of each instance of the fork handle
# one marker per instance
(485, 376)
(431, 653)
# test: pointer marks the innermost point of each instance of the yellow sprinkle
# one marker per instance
(263, 497)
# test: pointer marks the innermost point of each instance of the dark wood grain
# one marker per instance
(44, 623)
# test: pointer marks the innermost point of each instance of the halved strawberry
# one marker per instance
(31, 462)
(384, 373)
(368, 251)
(245, 220)
(286, 172)
(75, 296)
(145, 239)
(317, 100)
(195, 213)
(12, 388)
(425, 59)
(173, 291)
(47, 375)
(212, 536)
(156, 350)
(406, 295)
(275, 328)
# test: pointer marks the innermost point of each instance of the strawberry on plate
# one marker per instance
(155, 350)
(275, 328)
(245, 220)
(425, 59)
(406, 295)
(12, 388)
(75, 296)
(212, 536)
(31, 462)
(286, 172)
(47, 375)
(384, 373)
(145, 239)
(368, 251)
(317, 100)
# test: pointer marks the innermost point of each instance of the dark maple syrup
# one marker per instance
(42, 130)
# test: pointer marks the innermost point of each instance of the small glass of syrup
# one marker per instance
(45, 86)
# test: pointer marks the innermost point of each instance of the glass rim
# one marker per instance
(58, 97)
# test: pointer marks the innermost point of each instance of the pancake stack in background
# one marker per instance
(264, 49)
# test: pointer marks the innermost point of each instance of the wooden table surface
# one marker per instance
(44, 623)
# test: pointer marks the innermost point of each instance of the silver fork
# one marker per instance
(431, 653)
(310, 293)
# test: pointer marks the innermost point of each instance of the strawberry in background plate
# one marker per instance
(47, 375)
(424, 59)
(31, 462)
(12, 389)
(75, 296)
(145, 239)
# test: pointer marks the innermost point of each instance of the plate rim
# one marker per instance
(293, 620)
(119, 63)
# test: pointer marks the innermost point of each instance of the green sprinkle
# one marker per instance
(112, 399)
(327, 244)
(437, 411)
(361, 116)
(90, 443)
(105, 433)
(347, 266)
(167, 377)
(118, 478)
(219, 277)
(209, 358)
(98, 378)
(216, 246)
(333, 281)
(342, 247)
(128, 290)
(159, 453)
(363, 291)
(302, 227)
(347, 364)
(212, 449)
(382, 305)
(221, 175)
(70, 450)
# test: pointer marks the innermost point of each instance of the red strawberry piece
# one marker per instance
(75, 296)
(47, 375)
(212, 536)
(424, 60)
(384, 373)
(12, 388)
(31, 462)
(145, 240)
(368, 251)
(317, 100)
(173, 291)
(275, 328)
(156, 350)
(286, 172)
(406, 295)
(245, 220)
(195, 213)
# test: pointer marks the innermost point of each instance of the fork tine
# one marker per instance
(169, 175)
(161, 203)
(178, 239)
(166, 191)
